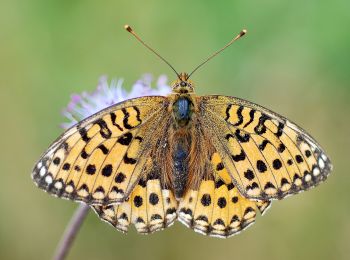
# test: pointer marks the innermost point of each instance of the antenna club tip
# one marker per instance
(128, 28)
(243, 32)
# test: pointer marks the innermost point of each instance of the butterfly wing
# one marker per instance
(150, 207)
(217, 208)
(267, 156)
(100, 159)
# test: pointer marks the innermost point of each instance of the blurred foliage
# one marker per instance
(294, 60)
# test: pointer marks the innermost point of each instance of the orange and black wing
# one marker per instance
(266, 155)
(217, 208)
(101, 159)
(150, 207)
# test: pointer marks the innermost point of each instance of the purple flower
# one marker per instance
(88, 103)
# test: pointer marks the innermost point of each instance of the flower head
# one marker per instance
(88, 103)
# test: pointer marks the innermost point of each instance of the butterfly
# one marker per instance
(212, 162)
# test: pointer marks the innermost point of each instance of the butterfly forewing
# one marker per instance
(267, 156)
(99, 160)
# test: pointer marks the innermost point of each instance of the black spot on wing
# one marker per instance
(66, 167)
(56, 161)
(235, 218)
(137, 114)
(239, 157)
(107, 170)
(117, 190)
(277, 164)
(186, 211)
(129, 160)
(113, 119)
(120, 177)
(281, 148)
(284, 181)
(222, 202)
(139, 138)
(307, 153)
(239, 115)
(84, 135)
(100, 189)
(263, 144)
(170, 211)
(140, 220)
(84, 154)
(248, 210)
(218, 184)
(228, 136)
(261, 128)
(124, 216)
(261, 166)
(84, 187)
(251, 114)
(91, 169)
(125, 139)
(230, 186)
(220, 166)
(299, 158)
(138, 201)
(104, 130)
(234, 199)
(219, 221)
(153, 198)
(243, 138)
(296, 177)
(156, 216)
(249, 175)
(279, 129)
(206, 200)
(228, 112)
(269, 185)
(202, 218)
(103, 148)
(127, 115)
(125, 119)
(142, 182)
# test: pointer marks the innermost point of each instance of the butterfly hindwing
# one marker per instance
(267, 156)
(150, 206)
(99, 160)
(217, 208)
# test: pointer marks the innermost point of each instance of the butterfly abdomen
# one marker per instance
(180, 172)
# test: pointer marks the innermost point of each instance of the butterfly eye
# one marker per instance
(183, 84)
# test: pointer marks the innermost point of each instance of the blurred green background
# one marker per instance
(294, 60)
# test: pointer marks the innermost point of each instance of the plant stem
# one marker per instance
(71, 231)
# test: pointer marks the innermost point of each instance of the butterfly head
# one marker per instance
(183, 84)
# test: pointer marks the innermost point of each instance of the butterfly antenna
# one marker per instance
(130, 30)
(242, 33)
